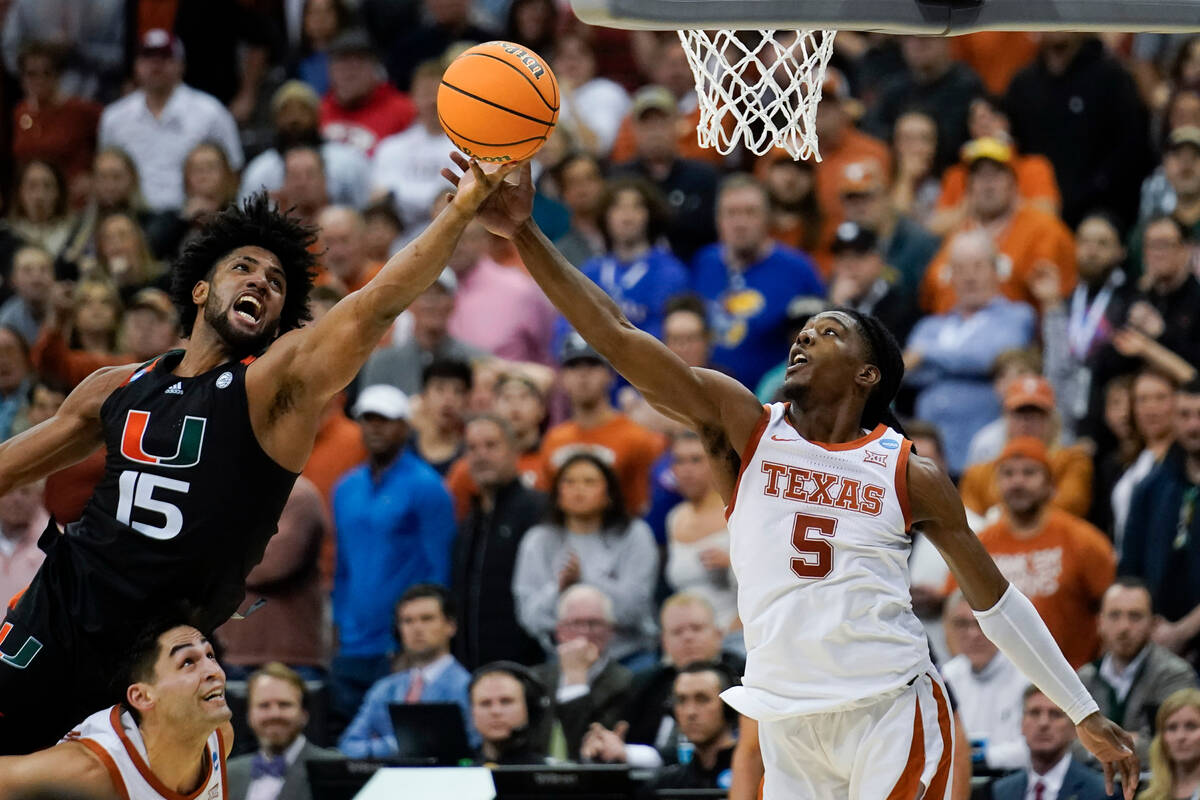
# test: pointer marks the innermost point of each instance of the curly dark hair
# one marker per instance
(256, 223)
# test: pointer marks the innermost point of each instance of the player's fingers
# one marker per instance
(459, 159)
(481, 176)
(1108, 778)
(1129, 776)
(621, 729)
(450, 175)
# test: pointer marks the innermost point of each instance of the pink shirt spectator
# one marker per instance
(500, 309)
(22, 520)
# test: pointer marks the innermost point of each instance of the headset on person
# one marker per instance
(728, 678)
(537, 697)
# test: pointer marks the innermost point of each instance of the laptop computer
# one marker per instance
(577, 781)
(431, 733)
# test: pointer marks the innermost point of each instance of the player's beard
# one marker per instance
(240, 344)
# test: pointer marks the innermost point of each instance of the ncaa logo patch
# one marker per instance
(224, 380)
(889, 444)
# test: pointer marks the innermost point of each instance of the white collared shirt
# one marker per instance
(1122, 682)
(268, 786)
(433, 670)
(1052, 780)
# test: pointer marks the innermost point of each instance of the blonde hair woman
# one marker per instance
(1175, 750)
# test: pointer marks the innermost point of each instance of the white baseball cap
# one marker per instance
(383, 399)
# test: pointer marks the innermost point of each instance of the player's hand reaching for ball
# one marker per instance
(500, 196)
(1114, 747)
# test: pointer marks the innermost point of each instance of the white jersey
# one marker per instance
(115, 739)
(819, 546)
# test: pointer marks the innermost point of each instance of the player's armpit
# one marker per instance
(938, 512)
(68, 766)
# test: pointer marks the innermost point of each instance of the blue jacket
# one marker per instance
(640, 288)
(748, 310)
(370, 735)
(1080, 783)
(391, 533)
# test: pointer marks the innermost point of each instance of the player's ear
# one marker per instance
(868, 376)
(140, 696)
(200, 292)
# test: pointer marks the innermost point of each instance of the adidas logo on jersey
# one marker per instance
(823, 489)
(175, 388)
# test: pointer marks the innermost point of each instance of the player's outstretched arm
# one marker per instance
(1010, 620)
(703, 399)
(69, 766)
(66, 438)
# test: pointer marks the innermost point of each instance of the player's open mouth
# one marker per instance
(248, 307)
(798, 361)
(218, 694)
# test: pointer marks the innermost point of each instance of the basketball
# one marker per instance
(498, 102)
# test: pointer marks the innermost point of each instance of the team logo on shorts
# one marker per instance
(25, 653)
(871, 457)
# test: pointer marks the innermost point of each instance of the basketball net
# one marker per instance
(759, 88)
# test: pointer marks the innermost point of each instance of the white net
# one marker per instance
(759, 88)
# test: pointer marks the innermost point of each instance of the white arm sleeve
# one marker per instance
(1015, 627)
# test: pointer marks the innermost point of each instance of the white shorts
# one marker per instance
(898, 747)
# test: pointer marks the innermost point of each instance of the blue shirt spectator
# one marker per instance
(950, 356)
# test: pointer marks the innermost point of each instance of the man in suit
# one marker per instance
(1135, 675)
(426, 617)
(276, 697)
(585, 685)
(1052, 774)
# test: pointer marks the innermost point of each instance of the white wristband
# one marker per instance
(1014, 626)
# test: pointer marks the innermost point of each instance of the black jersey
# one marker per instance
(187, 504)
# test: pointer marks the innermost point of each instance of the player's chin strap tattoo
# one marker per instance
(1014, 626)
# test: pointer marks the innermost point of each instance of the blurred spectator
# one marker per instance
(1152, 408)
(1159, 545)
(381, 238)
(1052, 773)
(1079, 362)
(160, 123)
(1118, 446)
(580, 180)
(748, 280)
(1135, 676)
(689, 634)
(589, 538)
(289, 626)
(906, 247)
(296, 109)
(23, 519)
(1027, 239)
(51, 126)
(1181, 172)
(797, 218)
(1009, 367)
(277, 710)
(95, 318)
(989, 690)
(149, 327)
(1058, 103)
(595, 427)
(995, 55)
(508, 704)
(862, 280)
(592, 106)
(115, 186)
(697, 536)
(1029, 411)
(690, 186)
(501, 510)
(442, 23)
(1058, 560)
(394, 526)
(426, 618)
(305, 189)
(524, 331)
(1175, 751)
(361, 107)
(123, 256)
(92, 36)
(532, 23)
(321, 22)
(926, 567)
(344, 254)
(916, 184)
(947, 357)
(586, 683)
(68, 490)
(337, 449)
(407, 165)
(1167, 308)
(209, 185)
(635, 271)
(445, 388)
(934, 83)
(32, 281)
(39, 214)
(16, 380)
(228, 44)
(1158, 195)
(402, 365)
(1036, 184)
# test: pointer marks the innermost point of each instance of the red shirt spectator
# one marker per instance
(361, 108)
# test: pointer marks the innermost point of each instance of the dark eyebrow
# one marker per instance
(185, 646)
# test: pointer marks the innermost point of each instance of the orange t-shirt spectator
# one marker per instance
(996, 56)
(1061, 562)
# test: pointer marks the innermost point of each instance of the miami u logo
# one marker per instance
(187, 449)
(24, 655)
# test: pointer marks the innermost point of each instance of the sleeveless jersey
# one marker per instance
(114, 738)
(819, 545)
(184, 511)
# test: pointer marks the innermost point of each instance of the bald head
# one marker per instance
(972, 258)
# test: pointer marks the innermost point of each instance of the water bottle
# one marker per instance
(684, 750)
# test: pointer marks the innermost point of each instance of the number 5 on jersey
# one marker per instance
(816, 553)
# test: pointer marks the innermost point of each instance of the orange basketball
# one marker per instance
(498, 101)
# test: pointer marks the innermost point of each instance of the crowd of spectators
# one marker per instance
(491, 516)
